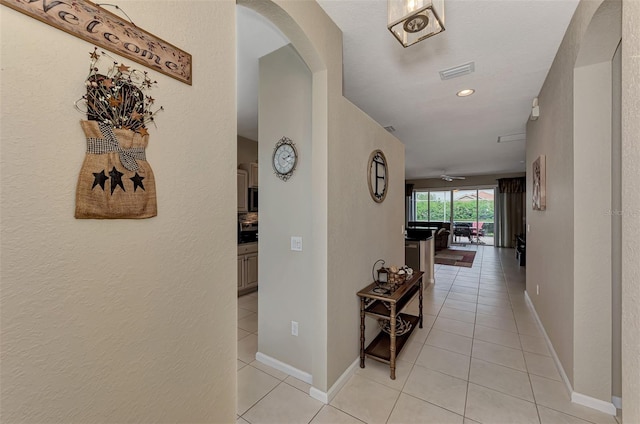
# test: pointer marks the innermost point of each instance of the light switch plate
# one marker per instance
(296, 243)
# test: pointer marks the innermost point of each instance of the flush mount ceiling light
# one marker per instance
(466, 92)
(411, 21)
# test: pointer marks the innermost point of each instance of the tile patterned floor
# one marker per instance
(480, 358)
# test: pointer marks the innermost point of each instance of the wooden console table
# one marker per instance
(387, 306)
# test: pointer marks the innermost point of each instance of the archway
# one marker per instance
(315, 243)
(597, 147)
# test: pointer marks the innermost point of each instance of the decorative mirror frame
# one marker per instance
(378, 158)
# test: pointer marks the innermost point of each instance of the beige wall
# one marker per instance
(630, 211)
(616, 223)
(247, 150)
(360, 230)
(349, 230)
(575, 294)
(285, 211)
(123, 320)
(550, 265)
(592, 202)
(470, 181)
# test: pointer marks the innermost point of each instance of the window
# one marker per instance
(473, 208)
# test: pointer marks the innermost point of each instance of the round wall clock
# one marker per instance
(285, 158)
(378, 176)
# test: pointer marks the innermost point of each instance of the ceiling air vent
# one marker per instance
(390, 128)
(511, 138)
(457, 71)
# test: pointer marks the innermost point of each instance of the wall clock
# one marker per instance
(285, 158)
(378, 176)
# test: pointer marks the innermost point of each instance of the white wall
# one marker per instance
(122, 320)
(285, 211)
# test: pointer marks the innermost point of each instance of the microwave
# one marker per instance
(253, 199)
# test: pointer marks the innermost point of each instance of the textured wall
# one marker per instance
(360, 230)
(247, 150)
(348, 229)
(552, 135)
(631, 211)
(469, 181)
(592, 202)
(118, 321)
(549, 264)
(285, 211)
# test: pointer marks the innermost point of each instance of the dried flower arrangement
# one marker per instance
(115, 180)
(117, 98)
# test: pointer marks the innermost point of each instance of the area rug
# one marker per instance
(455, 257)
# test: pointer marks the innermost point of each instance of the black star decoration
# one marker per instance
(137, 182)
(99, 179)
(116, 179)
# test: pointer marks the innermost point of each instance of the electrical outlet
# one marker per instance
(537, 289)
(294, 328)
(296, 244)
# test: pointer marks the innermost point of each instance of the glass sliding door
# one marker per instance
(465, 216)
(486, 216)
(433, 206)
(421, 205)
(471, 213)
(473, 216)
(440, 206)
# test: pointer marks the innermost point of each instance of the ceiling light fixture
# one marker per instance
(411, 21)
(466, 92)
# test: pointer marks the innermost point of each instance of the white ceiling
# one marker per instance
(512, 42)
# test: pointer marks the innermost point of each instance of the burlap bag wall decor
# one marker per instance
(115, 181)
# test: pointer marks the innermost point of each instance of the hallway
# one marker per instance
(479, 358)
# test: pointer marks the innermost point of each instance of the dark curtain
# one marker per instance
(510, 210)
(512, 185)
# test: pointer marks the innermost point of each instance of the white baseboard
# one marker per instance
(327, 397)
(285, 368)
(593, 403)
(563, 374)
(617, 402)
(579, 398)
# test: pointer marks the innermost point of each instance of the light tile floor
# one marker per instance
(480, 358)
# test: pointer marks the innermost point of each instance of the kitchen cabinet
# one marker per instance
(247, 267)
(243, 180)
(252, 172)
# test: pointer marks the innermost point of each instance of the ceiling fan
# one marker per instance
(450, 178)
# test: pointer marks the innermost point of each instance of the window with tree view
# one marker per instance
(471, 208)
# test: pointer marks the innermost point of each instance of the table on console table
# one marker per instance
(387, 306)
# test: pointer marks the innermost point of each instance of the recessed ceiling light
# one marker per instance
(466, 92)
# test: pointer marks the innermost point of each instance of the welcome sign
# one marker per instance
(102, 28)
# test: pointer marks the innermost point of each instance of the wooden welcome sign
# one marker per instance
(92, 23)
